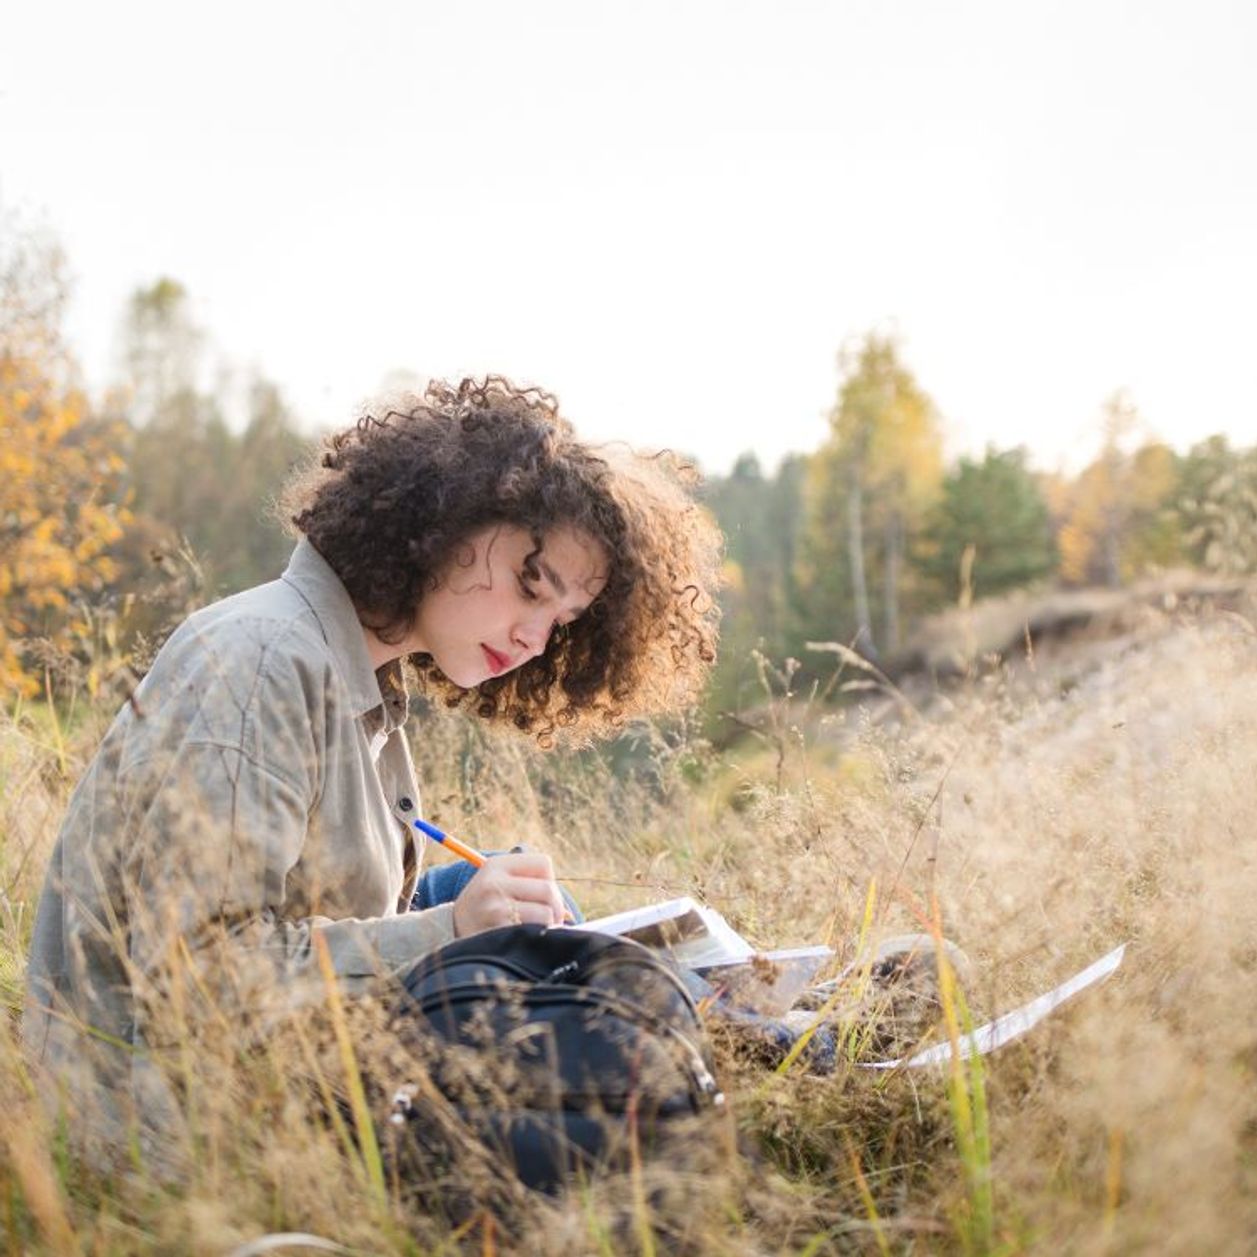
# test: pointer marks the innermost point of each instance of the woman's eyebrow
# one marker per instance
(560, 586)
(553, 577)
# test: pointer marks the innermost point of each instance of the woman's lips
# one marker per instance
(497, 663)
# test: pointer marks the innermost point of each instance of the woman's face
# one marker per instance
(493, 610)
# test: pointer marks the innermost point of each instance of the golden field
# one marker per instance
(1096, 790)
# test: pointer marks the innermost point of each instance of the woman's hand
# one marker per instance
(512, 889)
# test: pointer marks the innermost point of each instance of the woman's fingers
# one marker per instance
(510, 890)
(524, 864)
(537, 890)
(529, 913)
(531, 880)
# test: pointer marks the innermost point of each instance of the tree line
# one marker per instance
(858, 540)
(119, 513)
(109, 507)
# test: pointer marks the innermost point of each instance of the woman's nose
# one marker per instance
(533, 633)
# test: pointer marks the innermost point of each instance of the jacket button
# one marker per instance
(405, 803)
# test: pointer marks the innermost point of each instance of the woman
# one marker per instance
(247, 816)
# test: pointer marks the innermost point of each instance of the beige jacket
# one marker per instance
(255, 795)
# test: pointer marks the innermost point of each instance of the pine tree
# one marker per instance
(995, 507)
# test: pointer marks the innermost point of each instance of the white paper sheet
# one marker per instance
(697, 936)
(683, 912)
(1010, 1026)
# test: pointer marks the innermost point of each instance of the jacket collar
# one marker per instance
(313, 578)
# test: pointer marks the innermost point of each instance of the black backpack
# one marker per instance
(564, 1052)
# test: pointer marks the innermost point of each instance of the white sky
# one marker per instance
(671, 214)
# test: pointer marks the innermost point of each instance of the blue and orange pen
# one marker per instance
(459, 848)
(450, 843)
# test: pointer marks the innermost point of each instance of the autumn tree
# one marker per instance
(1116, 518)
(59, 468)
(1154, 534)
(994, 510)
(868, 491)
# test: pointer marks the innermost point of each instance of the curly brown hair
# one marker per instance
(396, 494)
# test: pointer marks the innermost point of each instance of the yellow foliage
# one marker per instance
(57, 473)
(1154, 476)
(890, 426)
(1076, 546)
(1111, 516)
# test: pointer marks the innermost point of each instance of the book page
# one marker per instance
(721, 944)
(1012, 1025)
(654, 925)
(697, 936)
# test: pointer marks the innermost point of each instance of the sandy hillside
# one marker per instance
(1106, 791)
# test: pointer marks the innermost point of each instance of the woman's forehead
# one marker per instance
(561, 539)
(568, 556)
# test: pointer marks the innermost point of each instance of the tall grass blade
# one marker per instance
(800, 1044)
(966, 1098)
(41, 1189)
(641, 1206)
(54, 723)
(1112, 1183)
(372, 1162)
(870, 1205)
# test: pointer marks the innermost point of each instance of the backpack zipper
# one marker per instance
(571, 968)
(704, 1085)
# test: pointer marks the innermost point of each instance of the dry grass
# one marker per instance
(1098, 796)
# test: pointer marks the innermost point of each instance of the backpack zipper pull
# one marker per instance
(563, 971)
(402, 1106)
(707, 1084)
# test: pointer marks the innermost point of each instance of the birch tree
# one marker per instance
(869, 489)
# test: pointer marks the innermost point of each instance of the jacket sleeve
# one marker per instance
(217, 819)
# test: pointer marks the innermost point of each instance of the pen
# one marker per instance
(460, 849)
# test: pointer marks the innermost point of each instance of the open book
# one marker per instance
(698, 937)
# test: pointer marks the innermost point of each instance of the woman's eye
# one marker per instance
(526, 589)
